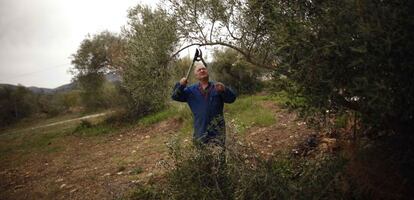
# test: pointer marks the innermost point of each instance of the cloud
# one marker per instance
(37, 35)
(30, 40)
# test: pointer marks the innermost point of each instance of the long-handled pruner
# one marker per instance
(198, 56)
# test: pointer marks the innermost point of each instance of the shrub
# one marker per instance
(86, 128)
(207, 172)
(145, 192)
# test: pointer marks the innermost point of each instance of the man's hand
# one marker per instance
(219, 87)
(183, 81)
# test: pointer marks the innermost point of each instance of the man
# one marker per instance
(206, 101)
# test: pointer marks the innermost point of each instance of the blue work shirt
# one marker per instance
(207, 108)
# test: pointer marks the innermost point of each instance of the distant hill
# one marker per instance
(38, 90)
(64, 88)
(111, 77)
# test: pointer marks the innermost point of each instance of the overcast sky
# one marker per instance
(37, 37)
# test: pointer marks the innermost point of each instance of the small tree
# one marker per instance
(96, 56)
(150, 40)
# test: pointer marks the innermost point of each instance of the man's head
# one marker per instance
(201, 72)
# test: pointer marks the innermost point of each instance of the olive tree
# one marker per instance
(97, 55)
(351, 55)
(150, 39)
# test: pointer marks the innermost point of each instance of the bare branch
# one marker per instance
(212, 28)
(201, 31)
(231, 33)
(246, 55)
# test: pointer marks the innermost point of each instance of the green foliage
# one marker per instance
(99, 93)
(97, 55)
(337, 55)
(84, 124)
(158, 116)
(230, 68)
(349, 55)
(92, 92)
(341, 121)
(137, 170)
(119, 118)
(289, 100)
(86, 128)
(69, 99)
(16, 104)
(145, 192)
(25, 141)
(247, 112)
(201, 175)
(55, 104)
(206, 173)
(150, 40)
(112, 94)
(38, 135)
(237, 24)
(8, 114)
(43, 142)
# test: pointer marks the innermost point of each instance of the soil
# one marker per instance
(109, 167)
(287, 135)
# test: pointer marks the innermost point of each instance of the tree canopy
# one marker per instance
(340, 55)
(150, 40)
(97, 55)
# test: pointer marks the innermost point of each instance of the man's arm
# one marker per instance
(228, 95)
(180, 93)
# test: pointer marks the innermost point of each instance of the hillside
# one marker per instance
(105, 162)
(110, 77)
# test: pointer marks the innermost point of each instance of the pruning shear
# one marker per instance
(198, 56)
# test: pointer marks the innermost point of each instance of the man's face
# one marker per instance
(201, 72)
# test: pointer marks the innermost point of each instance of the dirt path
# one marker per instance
(62, 122)
(75, 119)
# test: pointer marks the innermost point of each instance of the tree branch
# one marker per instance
(231, 33)
(211, 31)
(246, 55)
